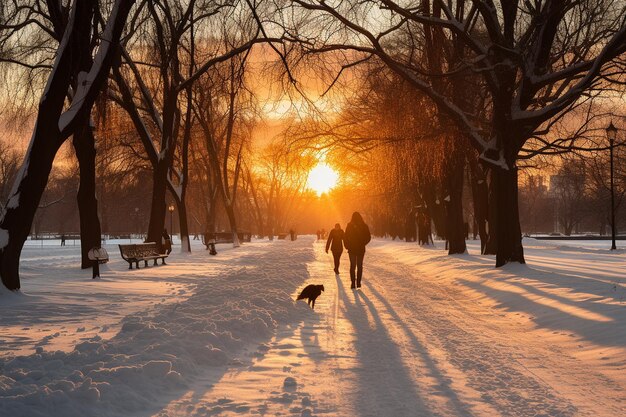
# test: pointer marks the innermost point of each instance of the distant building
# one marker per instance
(537, 183)
(556, 183)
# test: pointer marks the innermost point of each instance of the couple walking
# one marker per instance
(356, 236)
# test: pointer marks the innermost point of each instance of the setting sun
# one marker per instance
(322, 178)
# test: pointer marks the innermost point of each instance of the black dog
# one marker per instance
(311, 292)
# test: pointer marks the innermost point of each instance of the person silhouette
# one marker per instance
(167, 242)
(356, 236)
(335, 242)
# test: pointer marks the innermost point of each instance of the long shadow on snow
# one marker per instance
(454, 401)
(600, 332)
(487, 369)
(391, 383)
(605, 333)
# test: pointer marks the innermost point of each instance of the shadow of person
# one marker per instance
(383, 385)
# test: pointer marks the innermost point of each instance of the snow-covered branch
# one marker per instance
(90, 83)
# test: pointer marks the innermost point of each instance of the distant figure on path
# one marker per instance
(62, 240)
(335, 242)
(167, 242)
(356, 236)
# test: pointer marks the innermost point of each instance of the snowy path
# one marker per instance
(428, 335)
(408, 344)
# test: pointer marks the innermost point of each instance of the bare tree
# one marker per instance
(155, 79)
(30, 32)
(55, 124)
(521, 50)
(569, 191)
(279, 181)
(224, 110)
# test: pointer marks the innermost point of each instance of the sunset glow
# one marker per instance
(322, 178)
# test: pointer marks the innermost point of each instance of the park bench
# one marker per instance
(138, 252)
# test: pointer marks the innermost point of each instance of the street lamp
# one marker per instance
(137, 223)
(171, 210)
(611, 133)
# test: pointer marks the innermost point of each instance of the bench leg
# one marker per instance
(155, 261)
(137, 265)
(145, 263)
(162, 261)
(130, 265)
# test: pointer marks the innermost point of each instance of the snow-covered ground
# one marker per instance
(428, 334)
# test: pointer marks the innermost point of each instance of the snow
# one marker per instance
(14, 201)
(428, 334)
(4, 238)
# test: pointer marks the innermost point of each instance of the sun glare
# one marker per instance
(322, 178)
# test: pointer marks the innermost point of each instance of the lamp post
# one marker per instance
(171, 210)
(137, 224)
(611, 133)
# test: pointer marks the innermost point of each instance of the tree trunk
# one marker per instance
(435, 208)
(230, 212)
(455, 225)
(185, 244)
(480, 197)
(212, 215)
(157, 207)
(423, 227)
(22, 205)
(491, 248)
(410, 227)
(507, 217)
(90, 233)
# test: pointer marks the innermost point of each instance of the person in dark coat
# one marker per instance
(335, 243)
(167, 242)
(356, 236)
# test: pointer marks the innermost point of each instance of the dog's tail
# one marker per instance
(301, 297)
